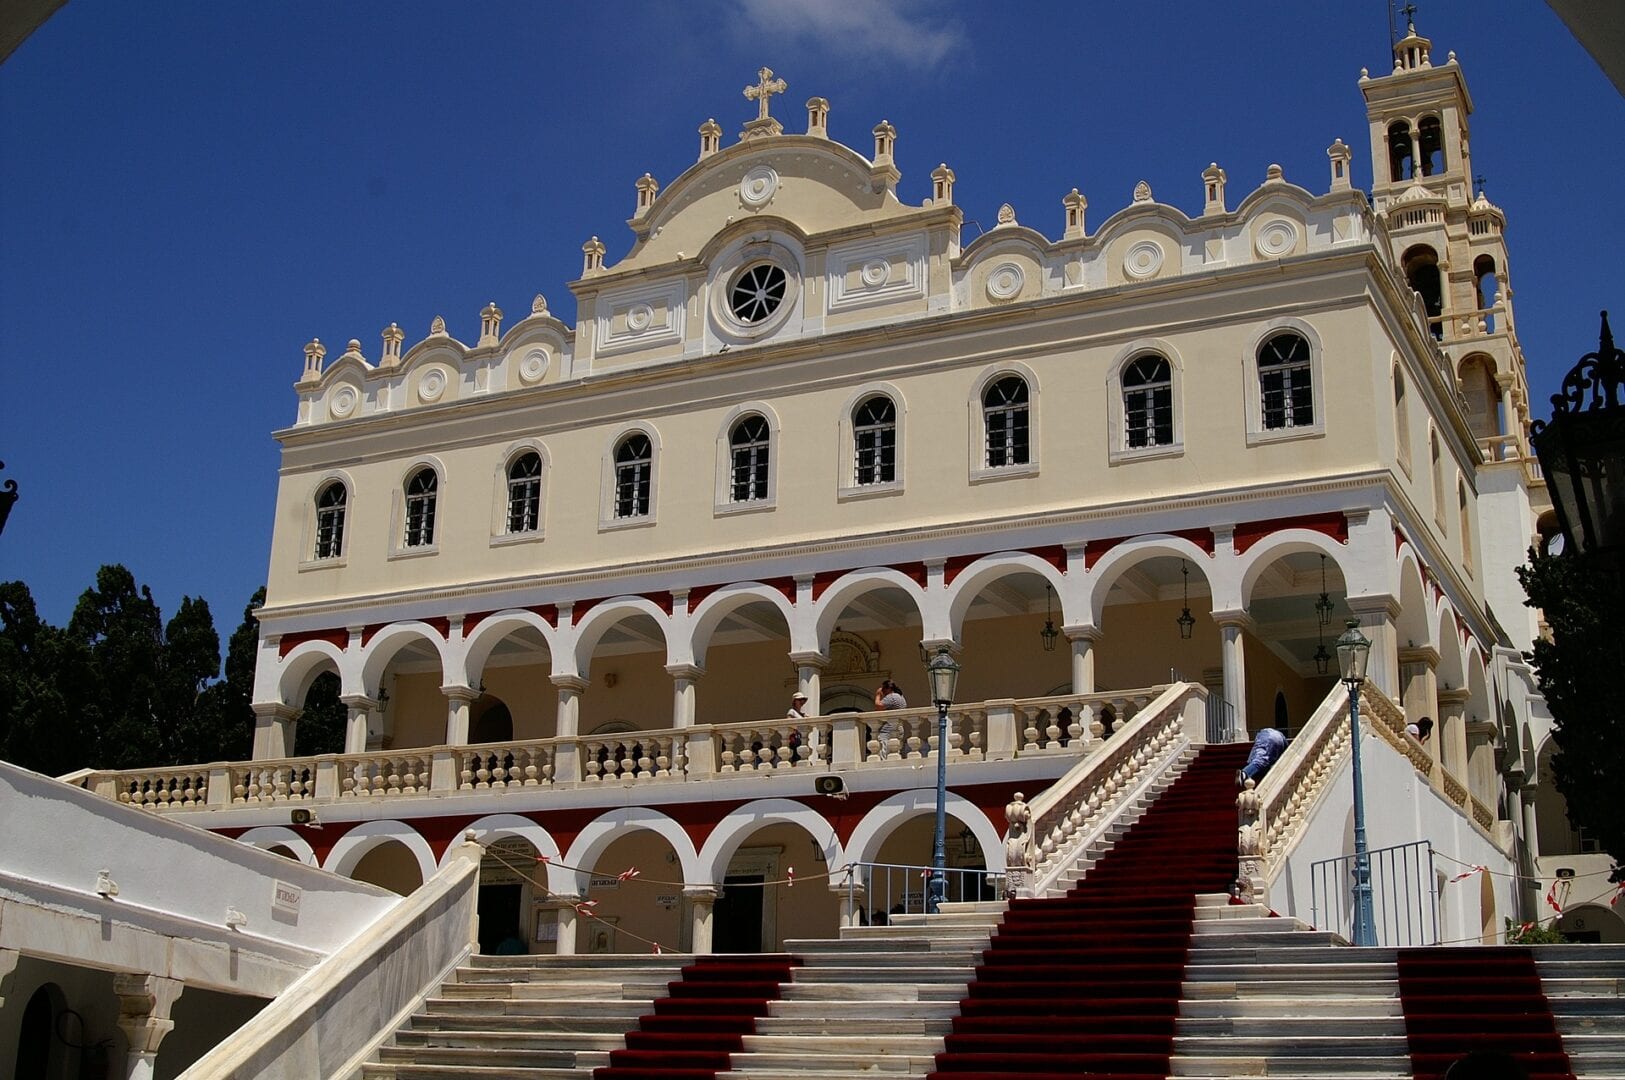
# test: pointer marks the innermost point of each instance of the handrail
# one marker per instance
(1047, 834)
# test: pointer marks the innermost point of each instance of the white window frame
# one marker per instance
(1118, 451)
(722, 498)
(607, 521)
(1464, 515)
(846, 443)
(500, 535)
(980, 470)
(1256, 431)
(1436, 478)
(1402, 420)
(398, 547)
(307, 550)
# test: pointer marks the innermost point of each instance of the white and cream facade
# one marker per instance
(802, 429)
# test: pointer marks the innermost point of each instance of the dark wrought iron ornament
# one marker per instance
(1582, 448)
(1323, 606)
(1186, 621)
(1049, 633)
(8, 497)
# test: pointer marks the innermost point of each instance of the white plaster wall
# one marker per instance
(1400, 808)
(59, 837)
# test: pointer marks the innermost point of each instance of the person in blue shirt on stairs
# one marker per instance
(1268, 745)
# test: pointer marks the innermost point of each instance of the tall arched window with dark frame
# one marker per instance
(634, 467)
(1148, 403)
(422, 491)
(748, 450)
(331, 504)
(1006, 422)
(525, 493)
(1285, 382)
(874, 438)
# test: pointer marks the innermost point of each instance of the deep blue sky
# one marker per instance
(190, 191)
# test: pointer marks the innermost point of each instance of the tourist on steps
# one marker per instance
(1268, 745)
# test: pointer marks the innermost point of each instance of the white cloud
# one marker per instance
(910, 32)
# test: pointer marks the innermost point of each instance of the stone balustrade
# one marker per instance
(977, 731)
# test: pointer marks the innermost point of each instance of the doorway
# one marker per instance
(737, 917)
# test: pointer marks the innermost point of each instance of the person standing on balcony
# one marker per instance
(887, 699)
(798, 711)
(798, 706)
(1268, 745)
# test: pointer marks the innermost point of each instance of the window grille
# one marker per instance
(748, 445)
(874, 436)
(330, 507)
(1148, 403)
(421, 491)
(1284, 383)
(525, 493)
(1004, 415)
(634, 463)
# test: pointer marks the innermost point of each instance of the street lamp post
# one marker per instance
(1353, 652)
(943, 673)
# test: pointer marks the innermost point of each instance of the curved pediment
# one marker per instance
(812, 184)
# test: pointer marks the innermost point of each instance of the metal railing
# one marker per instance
(1221, 721)
(1402, 889)
(889, 889)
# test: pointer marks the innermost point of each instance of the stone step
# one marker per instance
(407, 1071)
(850, 973)
(882, 991)
(463, 1056)
(965, 960)
(1288, 989)
(1369, 1067)
(863, 1010)
(467, 1007)
(848, 1063)
(1352, 1028)
(562, 1042)
(1292, 1008)
(580, 1022)
(826, 1028)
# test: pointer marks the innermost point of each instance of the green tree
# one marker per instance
(120, 625)
(229, 703)
(1578, 671)
(39, 726)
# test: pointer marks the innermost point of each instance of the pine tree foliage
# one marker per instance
(1579, 674)
(118, 687)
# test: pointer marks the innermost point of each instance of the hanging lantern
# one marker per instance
(1049, 633)
(1186, 621)
(1323, 659)
(1323, 606)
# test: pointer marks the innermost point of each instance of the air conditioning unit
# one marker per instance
(830, 785)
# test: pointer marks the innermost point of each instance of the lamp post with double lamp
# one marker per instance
(1582, 453)
(1353, 652)
(943, 674)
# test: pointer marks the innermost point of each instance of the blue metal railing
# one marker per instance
(1402, 889)
(895, 889)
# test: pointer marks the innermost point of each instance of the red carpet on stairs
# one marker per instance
(703, 1019)
(1460, 1000)
(1088, 984)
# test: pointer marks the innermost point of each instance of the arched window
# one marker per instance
(634, 462)
(1004, 417)
(1436, 466)
(1286, 391)
(1148, 403)
(330, 506)
(421, 491)
(1464, 519)
(1430, 149)
(874, 438)
(525, 493)
(748, 449)
(1402, 421)
(1421, 265)
(1400, 165)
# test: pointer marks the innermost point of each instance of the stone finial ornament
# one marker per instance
(437, 328)
(1142, 192)
(352, 349)
(1274, 175)
(314, 352)
(592, 256)
(710, 138)
(885, 141)
(818, 118)
(1075, 205)
(648, 188)
(761, 93)
(490, 324)
(1007, 214)
(393, 336)
(1213, 180)
(538, 306)
(1340, 156)
(942, 185)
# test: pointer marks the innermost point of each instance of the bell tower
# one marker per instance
(1448, 239)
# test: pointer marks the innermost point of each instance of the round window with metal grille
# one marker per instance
(757, 292)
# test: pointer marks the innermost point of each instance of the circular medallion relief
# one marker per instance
(758, 186)
(638, 318)
(1004, 281)
(431, 385)
(533, 366)
(1277, 238)
(343, 402)
(875, 273)
(1143, 259)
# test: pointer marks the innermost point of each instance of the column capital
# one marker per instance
(459, 693)
(809, 658)
(275, 710)
(1236, 617)
(931, 645)
(143, 1012)
(692, 672)
(1383, 605)
(1453, 697)
(1420, 654)
(701, 894)
(573, 683)
(8, 968)
(360, 701)
(1083, 633)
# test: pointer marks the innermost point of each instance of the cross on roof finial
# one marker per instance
(1409, 11)
(1479, 180)
(765, 88)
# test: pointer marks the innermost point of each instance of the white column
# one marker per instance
(357, 723)
(683, 707)
(852, 900)
(702, 901)
(567, 755)
(1451, 732)
(1082, 639)
(144, 1004)
(1231, 627)
(1376, 613)
(273, 730)
(809, 675)
(568, 922)
(458, 699)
